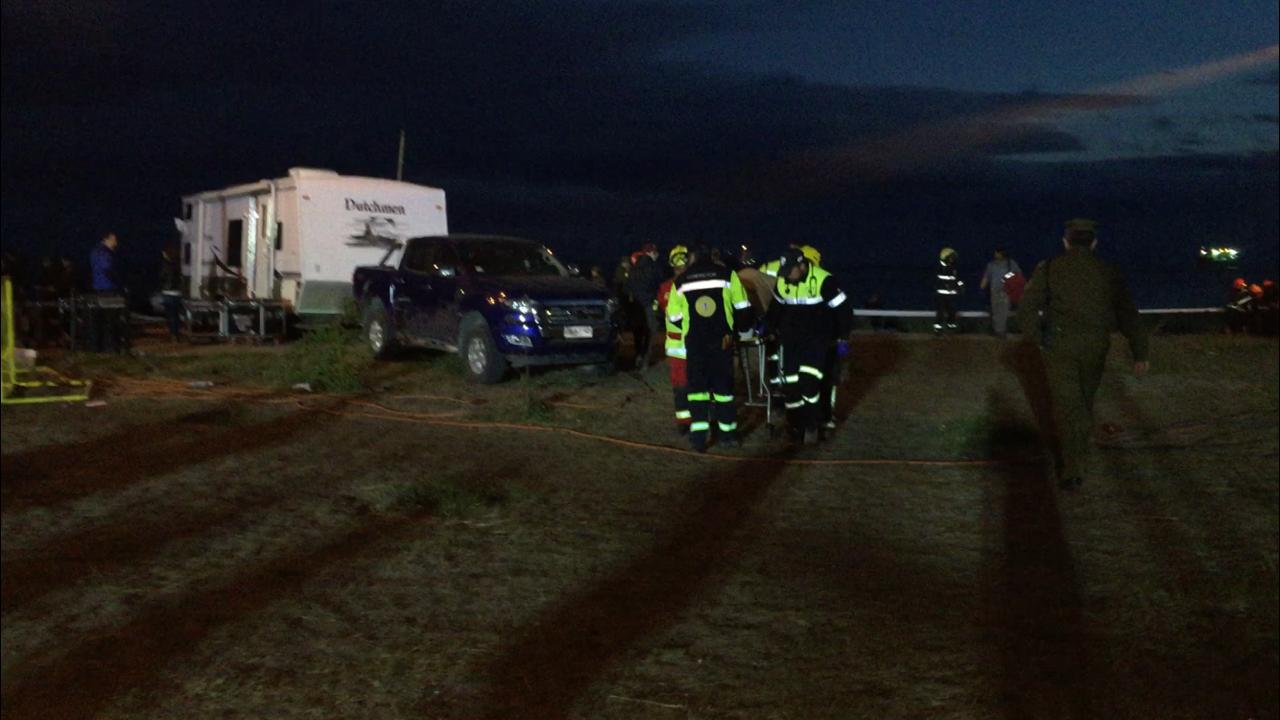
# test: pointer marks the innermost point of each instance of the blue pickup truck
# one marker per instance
(499, 302)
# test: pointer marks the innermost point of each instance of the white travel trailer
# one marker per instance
(297, 239)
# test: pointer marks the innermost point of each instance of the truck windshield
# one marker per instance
(510, 257)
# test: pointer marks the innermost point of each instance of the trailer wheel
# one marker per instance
(378, 332)
(480, 357)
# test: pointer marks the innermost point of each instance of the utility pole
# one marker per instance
(400, 158)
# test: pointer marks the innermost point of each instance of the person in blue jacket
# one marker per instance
(105, 275)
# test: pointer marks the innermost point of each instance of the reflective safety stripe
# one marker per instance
(835, 301)
(811, 400)
(677, 352)
(794, 405)
(808, 369)
(700, 397)
(743, 305)
(727, 427)
(791, 378)
(946, 277)
(948, 292)
(675, 319)
(798, 301)
(699, 427)
(723, 398)
(704, 285)
(683, 414)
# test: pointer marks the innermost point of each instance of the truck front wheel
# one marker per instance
(480, 357)
(378, 333)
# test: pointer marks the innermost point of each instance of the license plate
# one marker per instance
(577, 331)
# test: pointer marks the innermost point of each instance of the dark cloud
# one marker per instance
(1266, 118)
(1163, 123)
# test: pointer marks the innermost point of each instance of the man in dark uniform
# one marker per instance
(809, 314)
(708, 303)
(1071, 306)
(643, 284)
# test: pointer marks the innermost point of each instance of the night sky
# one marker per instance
(877, 130)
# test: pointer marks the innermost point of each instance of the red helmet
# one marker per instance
(1239, 284)
(1255, 290)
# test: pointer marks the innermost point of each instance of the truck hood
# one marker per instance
(541, 288)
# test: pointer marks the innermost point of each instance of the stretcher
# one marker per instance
(760, 363)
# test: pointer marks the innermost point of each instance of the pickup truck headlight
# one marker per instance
(522, 306)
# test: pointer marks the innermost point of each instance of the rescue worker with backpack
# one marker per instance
(1003, 280)
(809, 315)
(677, 364)
(709, 304)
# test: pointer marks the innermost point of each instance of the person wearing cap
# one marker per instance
(709, 305)
(677, 363)
(642, 283)
(1071, 306)
(809, 315)
(947, 285)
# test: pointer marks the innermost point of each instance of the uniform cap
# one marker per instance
(648, 248)
(946, 253)
(1239, 284)
(1255, 290)
(791, 258)
(1082, 225)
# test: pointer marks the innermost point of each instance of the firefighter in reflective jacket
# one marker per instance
(678, 258)
(809, 314)
(708, 303)
(946, 287)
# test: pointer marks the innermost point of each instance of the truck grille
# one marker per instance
(577, 314)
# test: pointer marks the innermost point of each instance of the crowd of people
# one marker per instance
(797, 310)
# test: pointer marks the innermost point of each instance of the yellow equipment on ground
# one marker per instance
(34, 384)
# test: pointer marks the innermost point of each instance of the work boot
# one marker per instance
(729, 441)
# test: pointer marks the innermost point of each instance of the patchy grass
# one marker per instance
(227, 558)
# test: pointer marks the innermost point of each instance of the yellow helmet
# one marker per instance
(811, 254)
(946, 253)
(679, 255)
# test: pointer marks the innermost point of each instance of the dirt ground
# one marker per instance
(546, 549)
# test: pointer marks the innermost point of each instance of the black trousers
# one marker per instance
(830, 378)
(803, 364)
(945, 317)
(710, 393)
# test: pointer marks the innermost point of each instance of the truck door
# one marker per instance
(442, 323)
(415, 292)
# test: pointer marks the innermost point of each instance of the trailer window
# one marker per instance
(235, 243)
(279, 236)
(186, 253)
(186, 211)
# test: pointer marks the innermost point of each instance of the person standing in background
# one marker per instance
(998, 270)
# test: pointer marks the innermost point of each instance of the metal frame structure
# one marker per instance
(15, 381)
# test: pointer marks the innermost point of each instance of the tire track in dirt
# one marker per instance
(1230, 680)
(555, 659)
(116, 542)
(1031, 590)
(48, 476)
(79, 683)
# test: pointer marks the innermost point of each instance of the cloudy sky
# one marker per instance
(879, 128)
